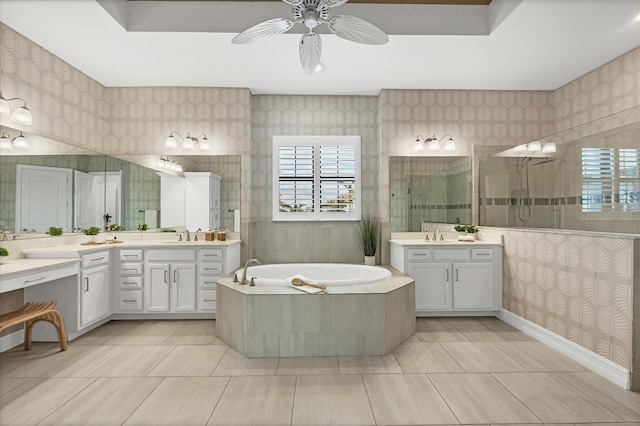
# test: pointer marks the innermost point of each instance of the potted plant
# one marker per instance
(54, 231)
(3, 254)
(91, 232)
(461, 229)
(142, 227)
(114, 228)
(368, 237)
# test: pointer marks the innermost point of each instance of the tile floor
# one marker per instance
(453, 371)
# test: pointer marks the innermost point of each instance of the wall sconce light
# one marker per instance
(169, 164)
(189, 142)
(535, 146)
(19, 141)
(20, 114)
(433, 143)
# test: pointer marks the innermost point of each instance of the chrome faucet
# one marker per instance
(246, 265)
(435, 234)
(188, 234)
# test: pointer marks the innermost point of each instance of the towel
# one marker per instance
(468, 238)
(305, 288)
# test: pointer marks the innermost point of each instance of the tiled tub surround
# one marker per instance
(272, 321)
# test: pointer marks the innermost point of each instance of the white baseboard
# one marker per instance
(594, 362)
(11, 340)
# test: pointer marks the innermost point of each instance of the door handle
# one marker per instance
(175, 278)
(87, 282)
(165, 275)
(456, 274)
(447, 275)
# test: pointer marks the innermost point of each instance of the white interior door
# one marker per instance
(109, 197)
(43, 198)
(84, 201)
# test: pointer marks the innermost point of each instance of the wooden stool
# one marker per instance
(30, 314)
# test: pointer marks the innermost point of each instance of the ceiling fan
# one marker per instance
(312, 13)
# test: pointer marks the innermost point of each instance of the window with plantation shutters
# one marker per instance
(316, 178)
(610, 180)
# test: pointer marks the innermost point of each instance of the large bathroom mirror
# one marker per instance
(429, 189)
(590, 183)
(95, 190)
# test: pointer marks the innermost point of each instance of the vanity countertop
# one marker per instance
(21, 266)
(77, 250)
(445, 243)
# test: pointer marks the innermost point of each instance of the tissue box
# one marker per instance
(209, 236)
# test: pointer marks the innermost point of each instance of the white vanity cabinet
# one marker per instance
(170, 281)
(450, 279)
(94, 287)
(129, 286)
(202, 200)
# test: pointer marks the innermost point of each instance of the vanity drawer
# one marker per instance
(451, 254)
(131, 283)
(208, 282)
(418, 254)
(207, 300)
(210, 268)
(131, 269)
(130, 255)
(39, 277)
(95, 259)
(210, 255)
(170, 255)
(131, 300)
(482, 253)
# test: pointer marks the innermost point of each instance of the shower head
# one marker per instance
(545, 161)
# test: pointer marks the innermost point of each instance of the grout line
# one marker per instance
(453, 357)
(442, 396)
(366, 391)
(70, 399)
(512, 394)
(293, 403)
(144, 399)
(219, 399)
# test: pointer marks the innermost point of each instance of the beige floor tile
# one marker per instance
(106, 333)
(74, 362)
(623, 403)
(331, 400)
(180, 401)
(31, 403)
(131, 361)
(7, 384)
(148, 333)
(485, 329)
(426, 358)
(437, 330)
(308, 365)
(200, 332)
(536, 356)
(190, 360)
(406, 399)
(479, 398)
(105, 401)
(480, 357)
(235, 364)
(552, 399)
(13, 357)
(368, 364)
(256, 400)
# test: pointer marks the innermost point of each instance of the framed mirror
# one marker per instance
(429, 190)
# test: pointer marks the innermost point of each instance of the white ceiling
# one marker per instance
(539, 45)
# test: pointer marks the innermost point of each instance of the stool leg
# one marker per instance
(59, 325)
(28, 327)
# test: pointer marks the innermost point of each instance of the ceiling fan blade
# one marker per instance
(333, 3)
(310, 51)
(263, 29)
(356, 29)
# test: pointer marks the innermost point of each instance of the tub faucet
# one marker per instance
(246, 265)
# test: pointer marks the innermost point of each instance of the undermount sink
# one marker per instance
(183, 243)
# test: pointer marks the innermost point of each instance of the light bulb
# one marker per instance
(520, 148)
(22, 115)
(450, 145)
(204, 144)
(171, 143)
(418, 145)
(549, 147)
(5, 142)
(187, 143)
(434, 145)
(21, 142)
(534, 146)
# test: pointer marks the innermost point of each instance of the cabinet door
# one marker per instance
(433, 291)
(95, 297)
(183, 283)
(172, 201)
(157, 286)
(473, 285)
